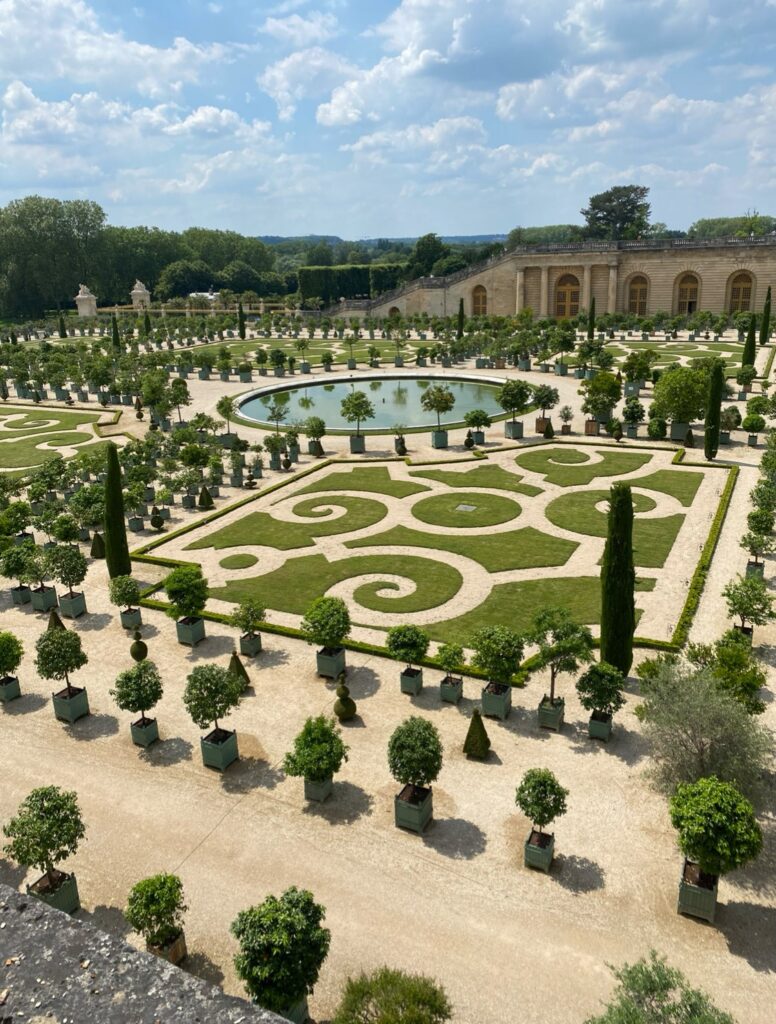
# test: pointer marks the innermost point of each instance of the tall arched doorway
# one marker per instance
(567, 296)
(394, 313)
(740, 293)
(479, 301)
(637, 295)
(687, 294)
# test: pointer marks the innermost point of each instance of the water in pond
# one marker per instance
(395, 401)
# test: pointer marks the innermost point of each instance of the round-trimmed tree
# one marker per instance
(138, 689)
(600, 689)
(407, 643)
(541, 797)
(327, 623)
(47, 828)
(717, 826)
(187, 591)
(319, 751)
(497, 651)
(59, 652)
(11, 654)
(211, 693)
(124, 592)
(415, 753)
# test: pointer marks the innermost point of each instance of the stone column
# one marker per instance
(544, 294)
(611, 304)
(520, 296)
(586, 280)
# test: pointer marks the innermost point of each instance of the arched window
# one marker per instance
(567, 296)
(687, 294)
(394, 312)
(637, 295)
(479, 301)
(741, 293)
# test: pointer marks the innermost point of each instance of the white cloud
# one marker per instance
(303, 75)
(318, 27)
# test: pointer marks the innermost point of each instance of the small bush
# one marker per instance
(477, 742)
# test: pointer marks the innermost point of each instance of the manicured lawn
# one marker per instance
(18, 420)
(681, 484)
(490, 476)
(52, 427)
(21, 452)
(652, 538)
(263, 528)
(238, 561)
(572, 468)
(516, 604)
(375, 479)
(518, 549)
(293, 586)
(445, 509)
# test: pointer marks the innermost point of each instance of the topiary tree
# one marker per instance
(15, 563)
(562, 643)
(237, 669)
(451, 658)
(67, 566)
(546, 398)
(618, 581)
(11, 654)
(714, 411)
(124, 592)
(318, 752)
(344, 705)
(437, 398)
(356, 408)
(477, 742)
(749, 599)
(211, 693)
(389, 997)
(600, 689)
(97, 549)
(47, 828)
(187, 591)
(65, 529)
(716, 825)
(282, 948)
(327, 623)
(514, 397)
(541, 797)
(315, 429)
(59, 652)
(205, 501)
(497, 651)
(407, 643)
(155, 909)
(247, 617)
(138, 689)
(415, 753)
(115, 530)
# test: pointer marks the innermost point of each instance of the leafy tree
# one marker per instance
(562, 643)
(124, 592)
(714, 411)
(546, 397)
(681, 394)
(318, 751)
(248, 616)
(697, 729)
(651, 992)
(211, 693)
(47, 828)
(389, 996)
(15, 563)
(437, 398)
(717, 826)
(179, 395)
(407, 643)
(67, 566)
(497, 651)
(541, 797)
(138, 689)
(600, 689)
(620, 212)
(514, 396)
(356, 407)
(115, 531)
(11, 653)
(601, 393)
(59, 652)
(187, 591)
(155, 909)
(282, 948)
(477, 742)
(732, 664)
(451, 658)
(327, 622)
(428, 249)
(225, 408)
(415, 752)
(749, 599)
(618, 580)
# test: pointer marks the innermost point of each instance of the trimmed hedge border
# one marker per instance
(769, 364)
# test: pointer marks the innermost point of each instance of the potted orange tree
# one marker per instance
(247, 617)
(137, 690)
(542, 799)
(327, 624)
(59, 652)
(600, 692)
(563, 644)
(497, 651)
(450, 657)
(11, 652)
(155, 909)
(124, 593)
(211, 692)
(408, 644)
(317, 757)
(415, 761)
(187, 592)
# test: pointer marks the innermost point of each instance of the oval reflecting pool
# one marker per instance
(396, 400)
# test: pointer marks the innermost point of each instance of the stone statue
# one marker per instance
(86, 301)
(141, 297)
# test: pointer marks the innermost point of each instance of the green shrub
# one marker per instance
(124, 592)
(11, 653)
(541, 797)
(600, 689)
(477, 742)
(47, 828)
(155, 909)
(327, 622)
(407, 643)
(392, 997)
(318, 751)
(415, 752)
(187, 591)
(497, 651)
(716, 824)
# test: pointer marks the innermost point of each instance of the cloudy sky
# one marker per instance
(376, 117)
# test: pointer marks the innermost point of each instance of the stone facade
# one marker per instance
(676, 276)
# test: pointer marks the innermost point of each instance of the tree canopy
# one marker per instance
(620, 212)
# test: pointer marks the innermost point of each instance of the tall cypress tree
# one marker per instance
(747, 356)
(114, 330)
(618, 579)
(765, 323)
(115, 530)
(241, 321)
(714, 411)
(591, 320)
(62, 331)
(147, 324)
(459, 332)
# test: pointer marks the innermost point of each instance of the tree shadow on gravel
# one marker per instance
(578, 874)
(25, 705)
(12, 874)
(269, 658)
(346, 804)
(94, 727)
(107, 919)
(362, 682)
(201, 966)
(211, 647)
(626, 744)
(250, 773)
(749, 929)
(455, 838)
(165, 753)
(93, 621)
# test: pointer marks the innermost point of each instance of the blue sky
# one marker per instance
(388, 118)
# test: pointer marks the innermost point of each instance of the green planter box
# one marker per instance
(190, 631)
(21, 595)
(174, 952)
(250, 646)
(696, 900)
(678, 431)
(298, 1013)
(752, 440)
(439, 439)
(43, 598)
(561, 369)
(72, 605)
(451, 689)
(413, 808)
(496, 705)
(599, 728)
(536, 856)
(131, 618)
(357, 444)
(70, 709)
(330, 661)
(478, 436)
(9, 689)
(631, 431)
(398, 361)
(219, 755)
(351, 364)
(755, 568)
(143, 735)
(551, 715)
(412, 681)
(64, 898)
(318, 791)
(513, 429)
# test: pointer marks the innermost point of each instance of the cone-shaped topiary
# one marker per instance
(138, 649)
(54, 621)
(689, 439)
(549, 433)
(205, 501)
(97, 549)
(477, 742)
(116, 548)
(344, 705)
(237, 669)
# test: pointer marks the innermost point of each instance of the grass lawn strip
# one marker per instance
(484, 509)
(681, 484)
(527, 548)
(238, 561)
(293, 586)
(492, 476)
(545, 462)
(375, 479)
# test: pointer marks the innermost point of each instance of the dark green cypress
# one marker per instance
(765, 323)
(477, 742)
(591, 320)
(241, 321)
(618, 579)
(459, 331)
(114, 330)
(714, 411)
(62, 331)
(116, 548)
(747, 356)
(147, 324)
